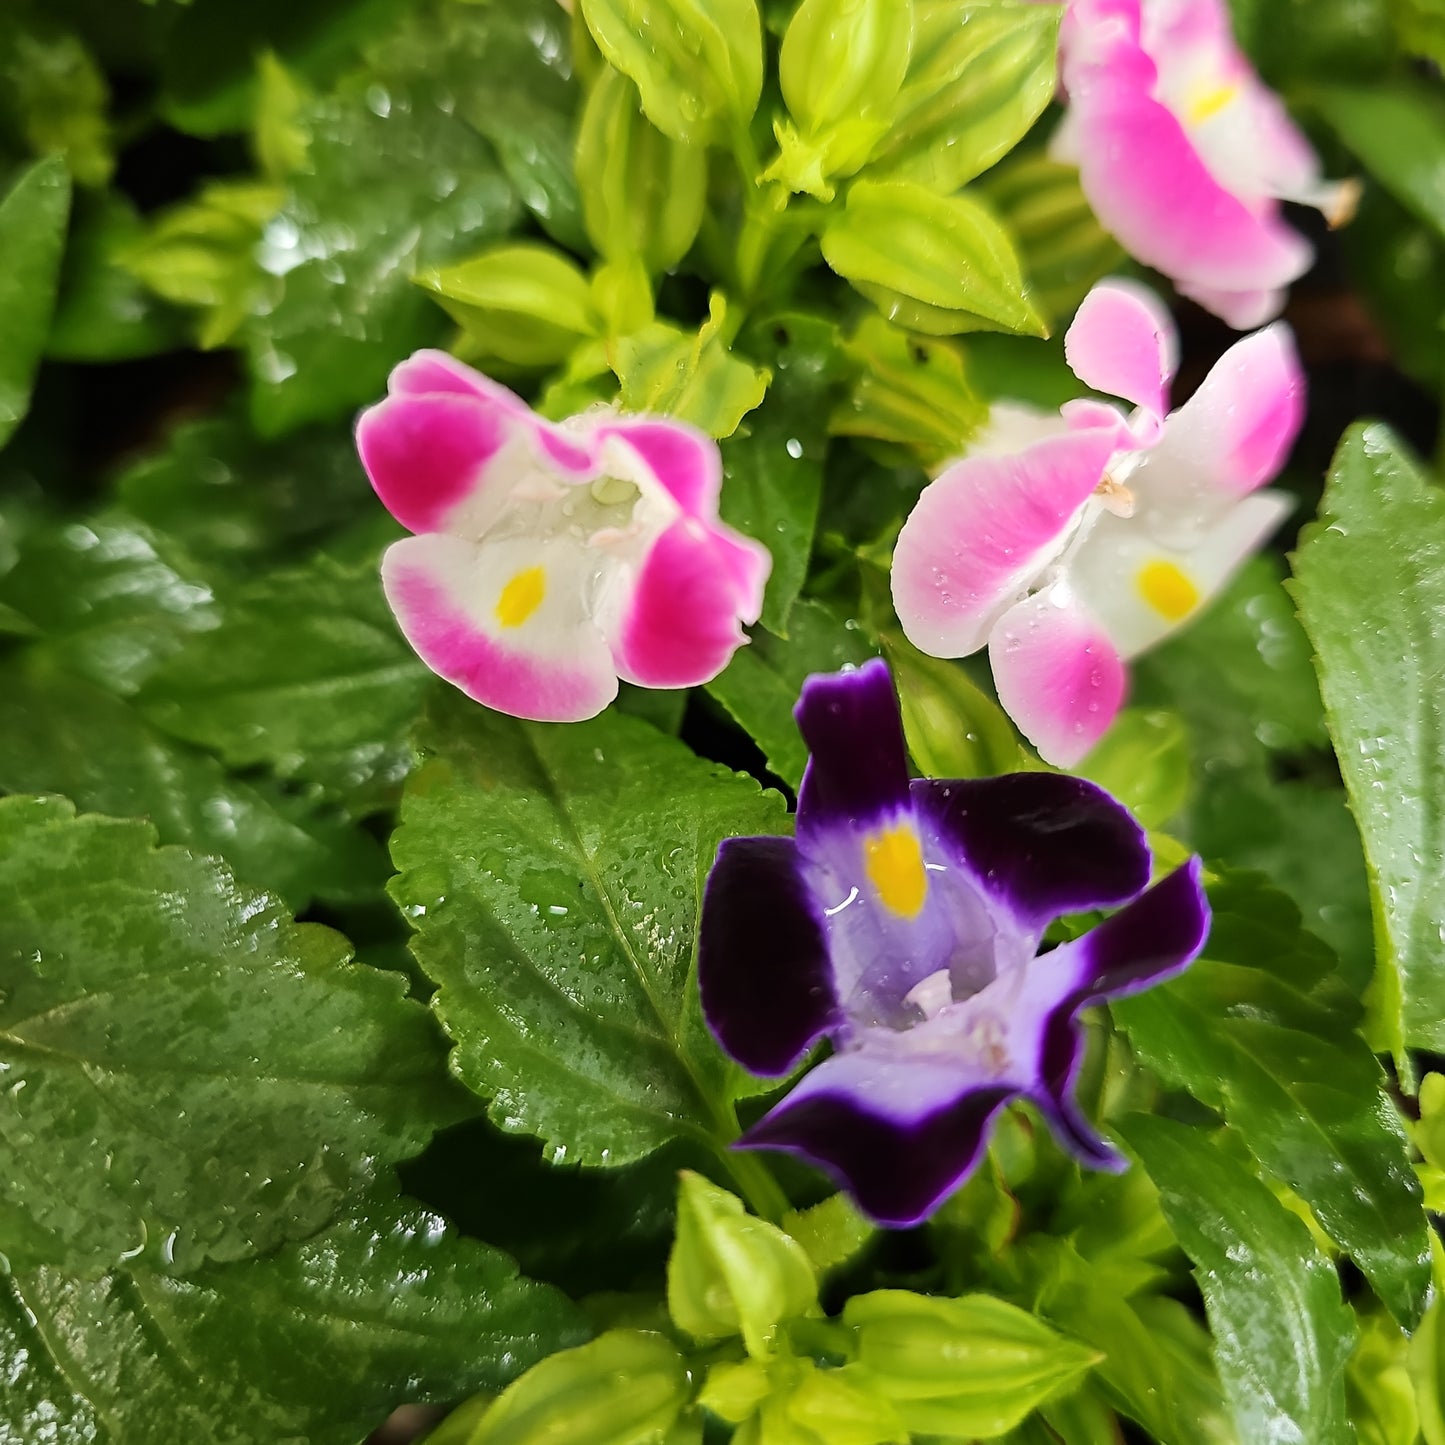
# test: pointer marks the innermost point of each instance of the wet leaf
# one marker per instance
(191, 1075)
(396, 1303)
(553, 873)
(1282, 1334)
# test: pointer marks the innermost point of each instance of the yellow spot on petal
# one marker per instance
(1209, 101)
(521, 597)
(1167, 590)
(894, 863)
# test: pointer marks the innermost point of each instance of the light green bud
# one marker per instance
(690, 375)
(628, 1387)
(910, 390)
(697, 63)
(642, 192)
(979, 77)
(937, 264)
(732, 1274)
(525, 304)
(972, 1367)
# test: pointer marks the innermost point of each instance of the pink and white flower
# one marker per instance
(1069, 544)
(549, 561)
(1184, 154)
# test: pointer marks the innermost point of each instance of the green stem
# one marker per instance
(755, 1180)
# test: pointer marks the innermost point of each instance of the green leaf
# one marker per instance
(1398, 133)
(408, 184)
(1377, 1385)
(1378, 546)
(525, 305)
(938, 264)
(692, 376)
(32, 237)
(1246, 1031)
(973, 1366)
(760, 686)
(61, 734)
(1282, 1334)
(103, 313)
(396, 1305)
(306, 673)
(1420, 27)
(1157, 1365)
(697, 63)
(114, 596)
(773, 467)
(625, 1388)
(731, 1274)
(189, 1082)
(979, 77)
(1426, 1365)
(1143, 760)
(643, 193)
(228, 497)
(553, 874)
(56, 95)
(952, 727)
(910, 390)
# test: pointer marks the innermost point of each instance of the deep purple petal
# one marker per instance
(762, 962)
(1040, 844)
(857, 771)
(897, 1171)
(1155, 937)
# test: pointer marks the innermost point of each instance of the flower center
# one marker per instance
(1166, 589)
(521, 597)
(893, 860)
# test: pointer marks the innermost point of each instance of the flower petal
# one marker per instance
(437, 459)
(1039, 844)
(682, 460)
(1058, 674)
(1154, 938)
(1139, 589)
(505, 622)
(762, 962)
(857, 773)
(1234, 434)
(1123, 342)
(982, 532)
(900, 1134)
(680, 625)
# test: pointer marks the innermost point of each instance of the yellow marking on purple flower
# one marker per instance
(521, 597)
(894, 864)
(1168, 590)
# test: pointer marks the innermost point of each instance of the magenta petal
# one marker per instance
(762, 964)
(427, 456)
(430, 371)
(1058, 675)
(983, 530)
(1039, 844)
(681, 624)
(684, 462)
(1236, 431)
(1122, 341)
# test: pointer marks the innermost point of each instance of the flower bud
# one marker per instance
(524, 305)
(731, 1274)
(697, 63)
(937, 264)
(627, 1387)
(973, 1366)
(642, 192)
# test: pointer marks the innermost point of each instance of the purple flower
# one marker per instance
(904, 923)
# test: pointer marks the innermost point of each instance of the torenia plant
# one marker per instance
(702, 812)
